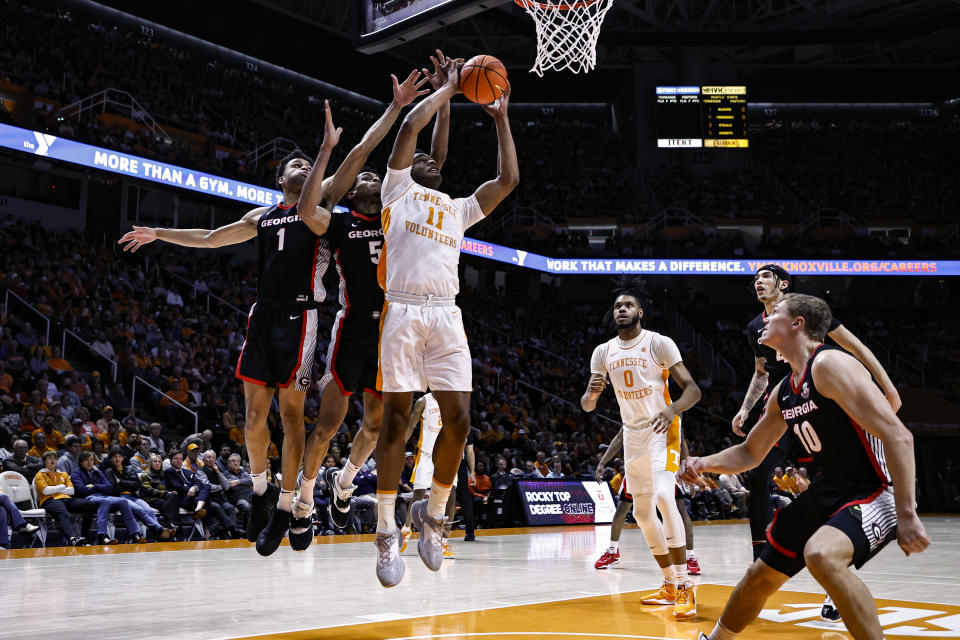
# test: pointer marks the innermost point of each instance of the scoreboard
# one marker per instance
(709, 116)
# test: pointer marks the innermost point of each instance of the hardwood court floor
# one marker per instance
(536, 583)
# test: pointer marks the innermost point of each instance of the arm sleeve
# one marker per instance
(470, 210)
(394, 184)
(598, 361)
(664, 351)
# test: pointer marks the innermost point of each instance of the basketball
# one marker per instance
(483, 79)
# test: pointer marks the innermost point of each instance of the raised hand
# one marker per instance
(135, 239)
(498, 108)
(451, 68)
(439, 76)
(409, 90)
(331, 134)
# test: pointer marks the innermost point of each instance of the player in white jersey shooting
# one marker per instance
(422, 341)
(638, 363)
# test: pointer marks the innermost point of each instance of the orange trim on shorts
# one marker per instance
(383, 316)
(386, 493)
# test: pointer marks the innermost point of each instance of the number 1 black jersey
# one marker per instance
(292, 259)
(846, 456)
(357, 241)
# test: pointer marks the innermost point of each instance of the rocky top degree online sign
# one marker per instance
(566, 502)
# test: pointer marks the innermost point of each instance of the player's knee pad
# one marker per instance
(674, 532)
(645, 512)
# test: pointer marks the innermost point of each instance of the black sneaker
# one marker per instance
(301, 528)
(272, 535)
(339, 498)
(260, 509)
(828, 612)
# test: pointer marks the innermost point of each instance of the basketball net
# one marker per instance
(566, 33)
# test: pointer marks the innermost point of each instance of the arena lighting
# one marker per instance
(55, 148)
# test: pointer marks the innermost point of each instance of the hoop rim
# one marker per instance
(558, 6)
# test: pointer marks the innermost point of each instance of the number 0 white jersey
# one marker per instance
(423, 229)
(638, 371)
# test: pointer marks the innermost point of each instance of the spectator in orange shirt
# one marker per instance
(541, 464)
(40, 446)
(54, 437)
(113, 434)
(56, 361)
(237, 435)
(802, 481)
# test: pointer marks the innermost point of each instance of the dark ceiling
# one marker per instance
(783, 49)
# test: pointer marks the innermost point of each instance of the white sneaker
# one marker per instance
(390, 567)
(430, 544)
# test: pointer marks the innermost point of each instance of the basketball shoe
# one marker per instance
(685, 606)
(664, 595)
(828, 612)
(448, 553)
(260, 509)
(301, 526)
(340, 504)
(390, 567)
(693, 567)
(405, 534)
(608, 559)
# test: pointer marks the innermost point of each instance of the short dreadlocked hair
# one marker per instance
(293, 155)
(632, 286)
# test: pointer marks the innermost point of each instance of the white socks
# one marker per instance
(285, 501)
(691, 554)
(306, 490)
(347, 474)
(721, 633)
(614, 546)
(386, 518)
(437, 503)
(259, 482)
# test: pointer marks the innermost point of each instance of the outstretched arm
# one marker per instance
(492, 193)
(845, 338)
(317, 218)
(416, 120)
(337, 185)
(745, 455)
(234, 233)
(845, 381)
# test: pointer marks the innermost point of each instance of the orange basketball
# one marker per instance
(483, 79)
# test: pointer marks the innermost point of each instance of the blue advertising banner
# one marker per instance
(48, 146)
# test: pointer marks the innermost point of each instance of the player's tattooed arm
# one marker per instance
(746, 455)
(316, 217)
(234, 233)
(757, 385)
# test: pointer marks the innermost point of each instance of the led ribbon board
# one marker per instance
(86, 155)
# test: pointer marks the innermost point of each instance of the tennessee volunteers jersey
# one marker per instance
(638, 371)
(423, 230)
(430, 424)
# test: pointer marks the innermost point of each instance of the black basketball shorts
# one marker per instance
(867, 517)
(279, 348)
(352, 354)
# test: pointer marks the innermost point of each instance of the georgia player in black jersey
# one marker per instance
(771, 283)
(282, 325)
(357, 239)
(862, 496)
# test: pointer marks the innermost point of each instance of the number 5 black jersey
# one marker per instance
(292, 259)
(846, 456)
(357, 241)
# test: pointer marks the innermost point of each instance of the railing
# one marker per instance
(518, 383)
(93, 350)
(27, 305)
(133, 401)
(121, 101)
(209, 295)
(270, 150)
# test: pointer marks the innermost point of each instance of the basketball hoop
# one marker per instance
(567, 33)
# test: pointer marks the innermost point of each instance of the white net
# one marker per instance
(567, 33)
